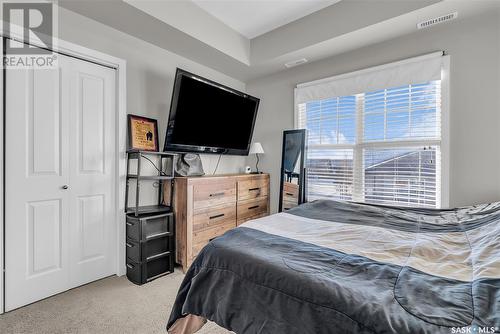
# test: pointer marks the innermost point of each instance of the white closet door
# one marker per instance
(91, 100)
(60, 151)
(36, 205)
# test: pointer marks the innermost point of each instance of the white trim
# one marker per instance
(372, 69)
(295, 110)
(445, 133)
(120, 66)
(1, 188)
(358, 170)
(444, 142)
(380, 144)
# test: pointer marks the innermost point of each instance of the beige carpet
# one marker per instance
(112, 305)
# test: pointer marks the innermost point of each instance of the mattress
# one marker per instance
(340, 267)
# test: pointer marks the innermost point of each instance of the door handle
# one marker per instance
(64, 187)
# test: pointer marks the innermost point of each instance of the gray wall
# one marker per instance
(473, 44)
(150, 77)
(150, 73)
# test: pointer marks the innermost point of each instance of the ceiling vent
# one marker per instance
(437, 20)
(296, 62)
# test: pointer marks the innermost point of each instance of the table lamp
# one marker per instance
(256, 149)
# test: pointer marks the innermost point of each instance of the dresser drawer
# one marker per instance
(253, 188)
(143, 272)
(203, 237)
(212, 217)
(214, 192)
(208, 234)
(244, 220)
(287, 205)
(198, 247)
(147, 227)
(146, 251)
(251, 209)
(290, 190)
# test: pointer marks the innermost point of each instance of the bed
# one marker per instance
(340, 267)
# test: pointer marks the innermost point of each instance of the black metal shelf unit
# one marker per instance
(150, 244)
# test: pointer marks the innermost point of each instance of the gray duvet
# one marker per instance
(336, 267)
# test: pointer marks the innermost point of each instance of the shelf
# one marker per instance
(148, 209)
(136, 154)
(150, 227)
(150, 177)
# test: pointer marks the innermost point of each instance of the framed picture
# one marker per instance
(142, 133)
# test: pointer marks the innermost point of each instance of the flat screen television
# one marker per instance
(207, 117)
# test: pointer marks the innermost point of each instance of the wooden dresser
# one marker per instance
(208, 206)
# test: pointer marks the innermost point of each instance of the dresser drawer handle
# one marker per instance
(130, 266)
(217, 216)
(130, 224)
(253, 189)
(129, 245)
(217, 194)
(253, 207)
(289, 194)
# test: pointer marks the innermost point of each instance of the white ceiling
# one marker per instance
(254, 18)
(182, 27)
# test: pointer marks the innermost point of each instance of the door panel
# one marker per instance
(92, 228)
(36, 207)
(60, 130)
(91, 98)
(44, 117)
(44, 237)
(91, 112)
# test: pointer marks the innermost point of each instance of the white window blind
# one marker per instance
(403, 176)
(330, 174)
(379, 146)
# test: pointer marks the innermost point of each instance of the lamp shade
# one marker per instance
(256, 148)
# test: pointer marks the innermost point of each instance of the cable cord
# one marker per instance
(162, 173)
(217, 166)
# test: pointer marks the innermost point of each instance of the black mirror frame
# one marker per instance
(302, 178)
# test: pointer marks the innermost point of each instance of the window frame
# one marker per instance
(442, 171)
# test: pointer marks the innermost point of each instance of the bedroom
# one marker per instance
(399, 100)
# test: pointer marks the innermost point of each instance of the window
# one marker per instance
(380, 145)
